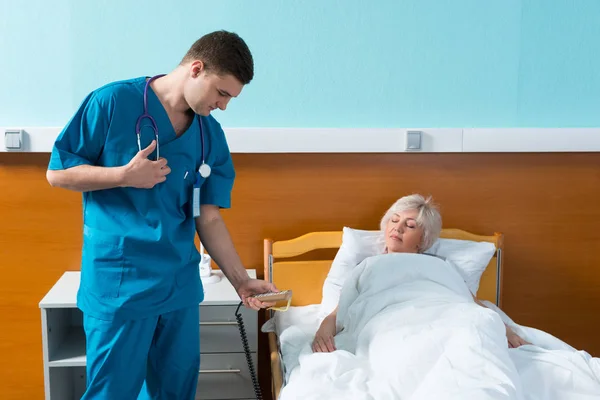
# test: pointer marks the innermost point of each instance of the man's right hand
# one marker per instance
(144, 173)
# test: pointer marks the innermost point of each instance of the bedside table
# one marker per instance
(224, 373)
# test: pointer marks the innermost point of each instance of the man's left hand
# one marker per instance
(252, 287)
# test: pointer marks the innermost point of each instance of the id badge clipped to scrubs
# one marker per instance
(196, 197)
(203, 173)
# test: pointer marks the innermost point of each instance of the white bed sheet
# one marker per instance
(550, 369)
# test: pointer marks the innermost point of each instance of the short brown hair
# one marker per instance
(223, 53)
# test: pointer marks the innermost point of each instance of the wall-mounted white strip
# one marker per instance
(339, 140)
(35, 139)
(480, 140)
(365, 140)
(292, 140)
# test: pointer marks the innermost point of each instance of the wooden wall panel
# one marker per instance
(547, 205)
(39, 240)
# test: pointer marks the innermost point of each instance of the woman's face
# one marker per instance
(402, 234)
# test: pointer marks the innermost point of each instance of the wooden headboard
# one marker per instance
(306, 277)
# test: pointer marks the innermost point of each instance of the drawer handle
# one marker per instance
(220, 371)
(218, 323)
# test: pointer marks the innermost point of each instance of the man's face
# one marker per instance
(205, 90)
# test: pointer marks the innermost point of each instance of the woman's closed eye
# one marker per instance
(408, 224)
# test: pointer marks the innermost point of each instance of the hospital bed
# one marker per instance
(306, 278)
(549, 369)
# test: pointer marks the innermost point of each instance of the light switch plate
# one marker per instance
(13, 139)
(413, 140)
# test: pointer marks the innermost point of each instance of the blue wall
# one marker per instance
(344, 63)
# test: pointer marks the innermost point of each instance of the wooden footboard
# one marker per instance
(276, 368)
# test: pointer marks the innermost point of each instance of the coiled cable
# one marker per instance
(244, 337)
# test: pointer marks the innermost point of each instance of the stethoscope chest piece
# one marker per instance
(204, 170)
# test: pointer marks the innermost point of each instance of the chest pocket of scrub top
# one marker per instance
(102, 263)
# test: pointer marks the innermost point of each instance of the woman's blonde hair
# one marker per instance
(429, 217)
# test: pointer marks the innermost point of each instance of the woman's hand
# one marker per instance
(514, 340)
(324, 342)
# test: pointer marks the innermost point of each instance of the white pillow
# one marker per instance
(356, 246)
(470, 259)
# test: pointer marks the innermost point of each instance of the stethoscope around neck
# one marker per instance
(204, 169)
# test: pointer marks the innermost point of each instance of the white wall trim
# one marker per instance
(376, 140)
(338, 140)
(531, 140)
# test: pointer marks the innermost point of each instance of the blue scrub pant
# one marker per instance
(151, 358)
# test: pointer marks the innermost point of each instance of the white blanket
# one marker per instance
(410, 330)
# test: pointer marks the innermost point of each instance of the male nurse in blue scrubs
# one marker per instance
(140, 286)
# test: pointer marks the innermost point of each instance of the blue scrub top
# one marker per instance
(139, 257)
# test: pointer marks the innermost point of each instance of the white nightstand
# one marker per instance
(224, 373)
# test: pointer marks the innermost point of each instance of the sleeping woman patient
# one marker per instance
(411, 225)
